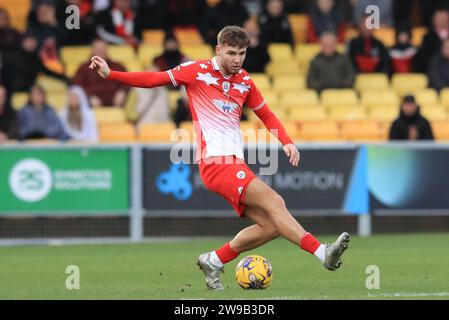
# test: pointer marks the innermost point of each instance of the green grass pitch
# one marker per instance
(411, 267)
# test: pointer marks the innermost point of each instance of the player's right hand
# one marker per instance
(100, 65)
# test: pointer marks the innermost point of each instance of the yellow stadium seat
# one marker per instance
(197, 52)
(263, 135)
(299, 23)
(133, 66)
(249, 131)
(271, 98)
(303, 98)
(408, 83)
(157, 132)
(319, 131)
(284, 84)
(444, 97)
(386, 36)
(19, 100)
(51, 84)
(387, 98)
(383, 113)
(371, 82)
(261, 80)
(71, 69)
(57, 100)
(307, 114)
(434, 113)
(360, 131)
(347, 113)
(153, 37)
(122, 53)
(147, 53)
(440, 130)
(304, 53)
(188, 37)
(286, 68)
(427, 98)
(417, 35)
(118, 132)
(109, 115)
(281, 52)
(339, 97)
(75, 55)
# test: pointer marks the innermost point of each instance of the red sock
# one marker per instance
(226, 253)
(309, 243)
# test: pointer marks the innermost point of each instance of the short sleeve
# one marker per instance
(183, 74)
(254, 100)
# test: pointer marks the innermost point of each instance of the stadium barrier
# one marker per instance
(95, 191)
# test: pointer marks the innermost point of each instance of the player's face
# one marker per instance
(231, 58)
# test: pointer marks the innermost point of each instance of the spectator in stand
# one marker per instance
(170, 58)
(402, 53)
(23, 65)
(431, 43)
(226, 12)
(330, 69)
(8, 119)
(274, 24)
(101, 93)
(120, 24)
(367, 53)
(257, 56)
(9, 37)
(86, 31)
(410, 125)
(325, 16)
(439, 68)
(38, 120)
(155, 13)
(185, 13)
(77, 118)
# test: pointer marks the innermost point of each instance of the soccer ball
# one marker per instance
(254, 272)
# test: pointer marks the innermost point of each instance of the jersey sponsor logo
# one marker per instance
(175, 181)
(225, 106)
(241, 174)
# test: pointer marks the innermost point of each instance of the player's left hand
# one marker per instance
(293, 153)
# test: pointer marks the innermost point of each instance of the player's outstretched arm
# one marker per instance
(275, 126)
(133, 79)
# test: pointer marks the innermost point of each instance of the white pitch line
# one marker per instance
(410, 294)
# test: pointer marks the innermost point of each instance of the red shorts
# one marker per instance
(227, 176)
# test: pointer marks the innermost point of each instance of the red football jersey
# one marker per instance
(216, 102)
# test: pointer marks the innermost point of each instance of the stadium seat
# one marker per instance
(189, 36)
(262, 81)
(272, 99)
(280, 52)
(360, 131)
(304, 98)
(417, 35)
(307, 114)
(18, 11)
(52, 85)
(197, 52)
(371, 81)
(298, 24)
(57, 100)
(19, 99)
(386, 35)
(408, 83)
(71, 69)
(444, 97)
(347, 113)
(339, 97)
(384, 127)
(249, 130)
(286, 84)
(153, 37)
(427, 98)
(147, 52)
(133, 65)
(109, 115)
(440, 130)
(387, 98)
(434, 113)
(75, 55)
(122, 53)
(319, 131)
(279, 68)
(157, 132)
(304, 53)
(118, 132)
(380, 113)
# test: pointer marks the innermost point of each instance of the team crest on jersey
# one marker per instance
(225, 106)
(226, 86)
(241, 174)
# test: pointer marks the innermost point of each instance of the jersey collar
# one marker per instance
(217, 68)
